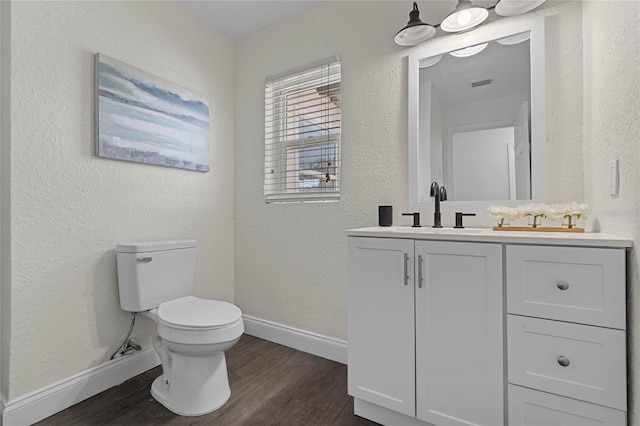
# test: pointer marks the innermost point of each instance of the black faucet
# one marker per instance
(439, 193)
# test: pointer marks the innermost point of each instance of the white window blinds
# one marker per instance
(302, 134)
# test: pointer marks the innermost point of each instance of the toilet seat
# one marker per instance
(193, 313)
(194, 321)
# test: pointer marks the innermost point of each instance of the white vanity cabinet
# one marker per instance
(425, 329)
(476, 327)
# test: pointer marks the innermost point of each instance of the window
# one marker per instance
(302, 134)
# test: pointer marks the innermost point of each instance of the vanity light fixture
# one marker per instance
(516, 7)
(466, 16)
(415, 31)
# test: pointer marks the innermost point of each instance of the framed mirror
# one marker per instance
(477, 116)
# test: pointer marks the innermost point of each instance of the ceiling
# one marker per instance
(239, 18)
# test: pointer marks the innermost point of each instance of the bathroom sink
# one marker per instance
(428, 230)
(450, 230)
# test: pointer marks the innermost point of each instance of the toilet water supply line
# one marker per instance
(127, 345)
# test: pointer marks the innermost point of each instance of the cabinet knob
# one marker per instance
(563, 361)
(562, 285)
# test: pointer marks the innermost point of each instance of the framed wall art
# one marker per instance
(146, 119)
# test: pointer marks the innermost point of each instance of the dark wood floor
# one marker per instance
(270, 385)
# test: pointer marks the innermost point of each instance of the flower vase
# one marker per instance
(569, 221)
(503, 223)
(535, 221)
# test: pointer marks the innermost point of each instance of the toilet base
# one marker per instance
(198, 385)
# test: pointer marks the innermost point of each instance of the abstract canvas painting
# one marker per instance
(146, 119)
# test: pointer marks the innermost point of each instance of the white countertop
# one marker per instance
(488, 235)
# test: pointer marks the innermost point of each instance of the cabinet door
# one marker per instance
(381, 322)
(459, 333)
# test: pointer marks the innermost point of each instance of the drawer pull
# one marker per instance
(563, 361)
(563, 285)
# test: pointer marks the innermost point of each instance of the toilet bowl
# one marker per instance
(191, 333)
(191, 337)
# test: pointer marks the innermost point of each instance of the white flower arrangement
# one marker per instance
(536, 211)
(569, 212)
(503, 214)
(569, 209)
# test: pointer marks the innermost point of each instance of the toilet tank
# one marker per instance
(150, 273)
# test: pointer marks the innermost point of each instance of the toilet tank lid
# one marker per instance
(148, 246)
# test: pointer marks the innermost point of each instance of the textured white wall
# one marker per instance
(564, 177)
(612, 130)
(69, 208)
(291, 259)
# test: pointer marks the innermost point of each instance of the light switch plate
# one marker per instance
(614, 177)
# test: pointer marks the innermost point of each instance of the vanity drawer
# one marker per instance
(528, 407)
(578, 361)
(582, 285)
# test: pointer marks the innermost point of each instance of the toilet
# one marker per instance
(155, 279)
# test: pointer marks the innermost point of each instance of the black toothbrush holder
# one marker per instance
(385, 215)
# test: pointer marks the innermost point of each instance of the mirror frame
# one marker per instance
(493, 31)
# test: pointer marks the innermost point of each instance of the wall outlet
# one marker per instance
(614, 177)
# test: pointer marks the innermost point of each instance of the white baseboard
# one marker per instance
(45, 402)
(306, 341)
